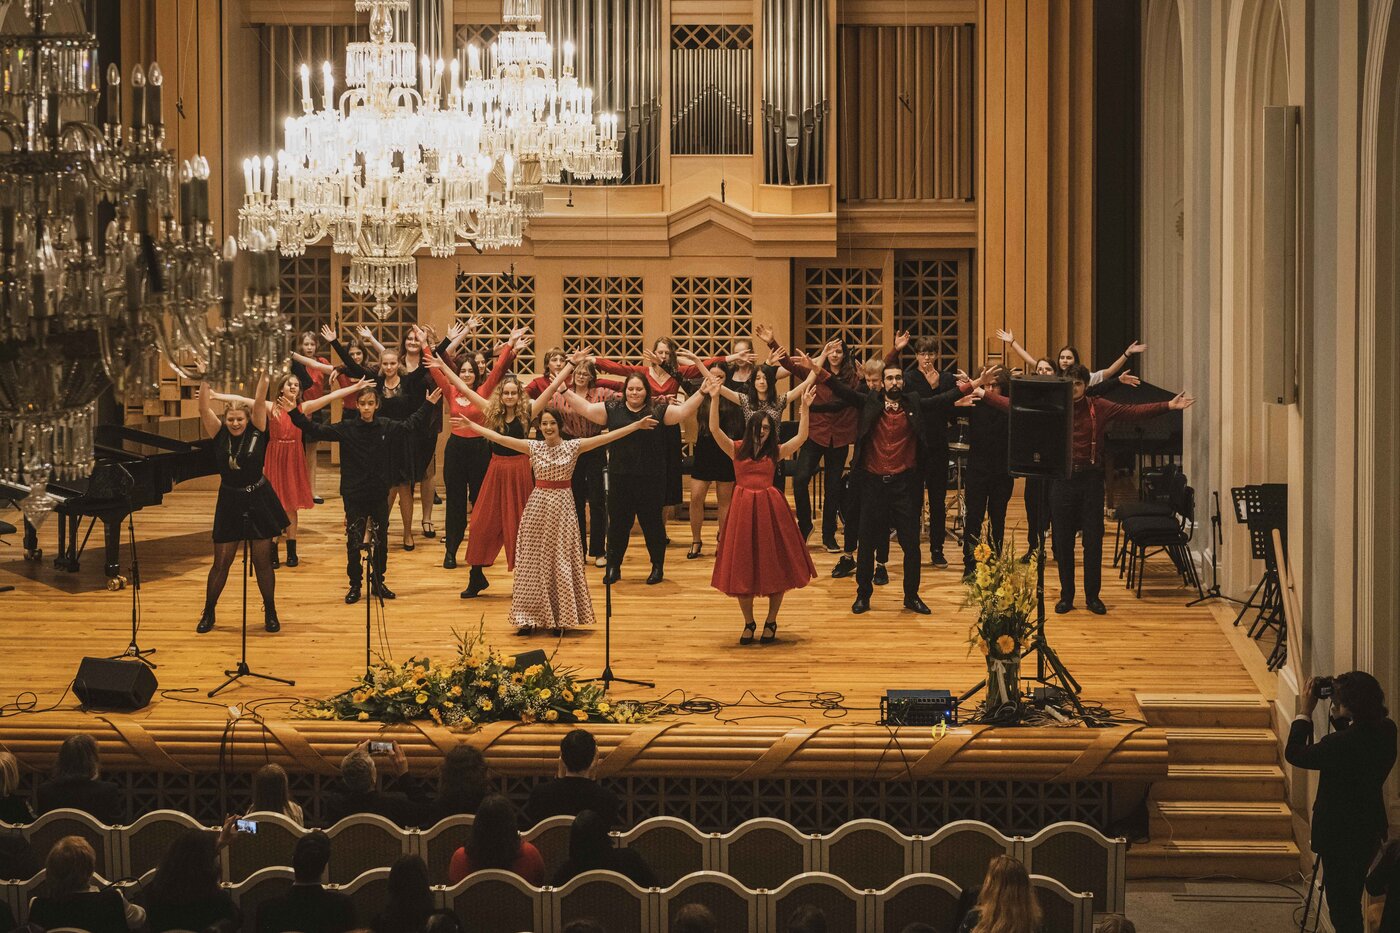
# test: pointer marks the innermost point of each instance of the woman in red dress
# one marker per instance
(761, 552)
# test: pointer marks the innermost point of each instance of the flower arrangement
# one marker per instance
(479, 685)
(1002, 590)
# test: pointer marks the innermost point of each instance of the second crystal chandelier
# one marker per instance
(414, 156)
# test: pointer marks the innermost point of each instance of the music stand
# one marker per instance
(1217, 538)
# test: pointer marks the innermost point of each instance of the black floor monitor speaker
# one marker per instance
(1041, 426)
(115, 685)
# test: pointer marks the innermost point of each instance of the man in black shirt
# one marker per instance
(308, 907)
(575, 789)
(364, 483)
(987, 481)
(359, 790)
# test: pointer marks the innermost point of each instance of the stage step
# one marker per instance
(1263, 820)
(1194, 781)
(1236, 711)
(1213, 746)
(1262, 860)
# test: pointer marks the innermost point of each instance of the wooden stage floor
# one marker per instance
(681, 633)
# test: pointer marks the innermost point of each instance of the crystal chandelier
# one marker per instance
(413, 156)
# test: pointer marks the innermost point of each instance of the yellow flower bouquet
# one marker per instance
(1002, 590)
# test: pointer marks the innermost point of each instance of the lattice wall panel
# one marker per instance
(604, 312)
(712, 90)
(479, 34)
(357, 310)
(843, 301)
(926, 303)
(503, 302)
(709, 311)
(306, 292)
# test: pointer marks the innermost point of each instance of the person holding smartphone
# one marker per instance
(360, 790)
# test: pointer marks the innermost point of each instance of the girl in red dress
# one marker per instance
(761, 552)
(314, 372)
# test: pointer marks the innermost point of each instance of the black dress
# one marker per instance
(247, 507)
(410, 453)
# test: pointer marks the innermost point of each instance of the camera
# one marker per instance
(1324, 688)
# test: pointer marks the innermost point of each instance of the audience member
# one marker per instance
(185, 893)
(359, 790)
(574, 790)
(462, 785)
(1007, 903)
(495, 843)
(584, 926)
(13, 807)
(1117, 923)
(807, 919)
(410, 901)
(71, 899)
(272, 794)
(7, 917)
(75, 783)
(591, 847)
(443, 921)
(308, 907)
(693, 918)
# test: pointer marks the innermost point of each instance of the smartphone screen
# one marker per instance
(381, 748)
(246, 826)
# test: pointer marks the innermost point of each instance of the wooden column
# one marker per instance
(1035, 179)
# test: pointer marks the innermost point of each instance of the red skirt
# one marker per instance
(761, 551)
(285, 466)
(496, 513)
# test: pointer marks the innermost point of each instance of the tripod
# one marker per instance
(607, 678)
(133, 650)
(1216, 539)
(242, 670)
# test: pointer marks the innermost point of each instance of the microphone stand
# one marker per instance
(242, 670)
(607, 678)
(368, 547)
(133, 650)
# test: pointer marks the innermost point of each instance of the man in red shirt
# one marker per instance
(1076, 504)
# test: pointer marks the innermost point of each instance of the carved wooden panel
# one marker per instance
(928, 302)
(845, 302)
(503, 302)
(604, 312)
(709, 311)
(712, 90)
(359, 309)
(906, 103)
(306, 292)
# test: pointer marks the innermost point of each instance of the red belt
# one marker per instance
(554, 484)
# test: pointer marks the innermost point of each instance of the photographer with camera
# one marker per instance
(1349, 819)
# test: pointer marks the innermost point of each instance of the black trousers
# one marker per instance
(640, 497)
(1343, 877)
(987, 495)
(358, 509)
(934, 470)
(1076, 507)
(1037, 498)
(832, 462)
(590, 496)
(464, 463)
(885, 502)
(850, 515)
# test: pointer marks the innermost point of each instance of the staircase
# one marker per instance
(1222, 809)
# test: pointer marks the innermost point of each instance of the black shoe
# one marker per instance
(655, 576)
(428, 530)
(449, 562)
(206, 621)
(382, 591)
(747, 637)
(861, 605)
(845, 567)
(318, 500)
(352, 595)
(915, 604)
(611, 575)
(476, 584)
(271, 622)
(882, 575)
(831, 546)
(292, 559)
(938, 560)
(770, 633)
(1063, 606)
(1096, 606)
(437, 499)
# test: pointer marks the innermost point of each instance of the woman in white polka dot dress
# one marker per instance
(551, 589)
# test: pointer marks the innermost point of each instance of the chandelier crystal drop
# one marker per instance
(414, 155)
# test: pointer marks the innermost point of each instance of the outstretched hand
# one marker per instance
(1128, 379)
(461, 421)
(809, 397)
(901, 339)
(1181, 402)
(764, 332)
(969, 400)
(1005, 336)
(327, 333)
(365, 332)
(579, 356)
(1134, 347)
(435, 396)
(647, 423)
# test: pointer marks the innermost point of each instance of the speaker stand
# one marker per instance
(134, 650)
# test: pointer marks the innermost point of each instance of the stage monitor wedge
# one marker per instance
(1041, 426)
(122, 686)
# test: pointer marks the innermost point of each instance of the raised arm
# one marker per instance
(1122, 360)
(231, 397)
(595, 412)
(901, 340)
(1005, 336)
(211, 421)
(311, 363)
(316, 404)
(797, 391)
(726, 444)
(435, 366)
(794, 445)
(693, 363)
(352, 369)
(518, 444)
(370, 340)
(675, 414)
(565, 376)
(599, 440)
(260, 405)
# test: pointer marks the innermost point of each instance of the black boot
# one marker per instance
(292, 560)
(655, 576)
(476, 583)
(270, 621)
(206, 620)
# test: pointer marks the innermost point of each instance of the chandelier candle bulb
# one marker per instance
(186, 198)
(568, 58)
(327, 87)
(157, 81)
(267, 175)
(201, 189)
(114, 95)
(305, 87)
(81, 228)
(138, 98)
(473, 61)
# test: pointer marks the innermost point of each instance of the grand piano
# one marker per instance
(133, 469)
(1144, 444)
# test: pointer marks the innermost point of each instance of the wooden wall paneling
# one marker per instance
(904, 13)
(1081, 153)
(711, 11)
(1037, 172)
(1014, 167)
(930, 301)
(708, 312)
(991, 191)
(476, 11)
(606, 313)
(503, 301)
(847, 301)
(305, 291)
